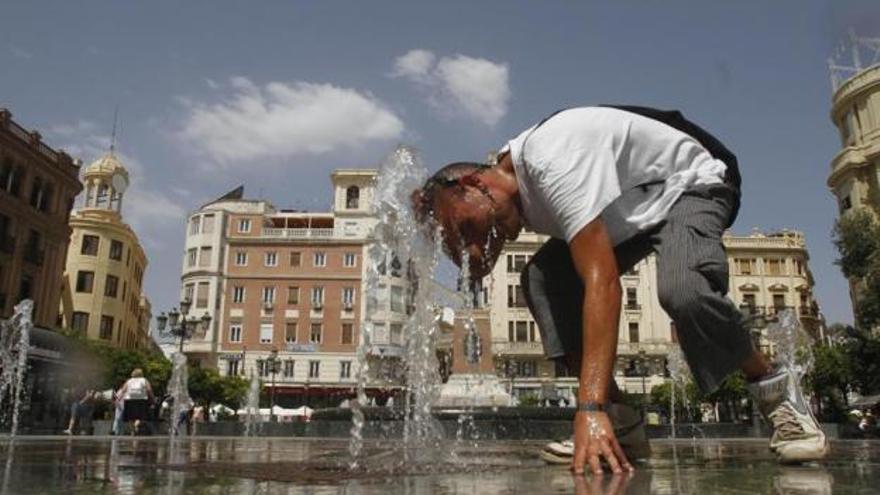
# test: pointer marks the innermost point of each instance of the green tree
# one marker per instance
(831, 379)
(661, 398)
(730, 395)
(857, 238)
(207, 386)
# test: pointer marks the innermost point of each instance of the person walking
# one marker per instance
(136, 394)
(610, 185)
(80, 412)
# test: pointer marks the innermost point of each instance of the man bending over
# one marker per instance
(610, 185)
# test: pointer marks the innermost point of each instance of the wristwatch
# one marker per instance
(591, 407)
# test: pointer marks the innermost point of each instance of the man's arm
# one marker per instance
(594, 260)
(596, 265)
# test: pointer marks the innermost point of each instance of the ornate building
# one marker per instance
(290, 282)
(103, 296)
(855, 110)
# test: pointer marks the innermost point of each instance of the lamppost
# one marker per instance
(180, 324)
(643, 370)
(272, 362)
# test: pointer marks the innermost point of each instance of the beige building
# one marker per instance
(855, 170)
(291, 282)
(768, 272)
(37, 188)
(103, 296)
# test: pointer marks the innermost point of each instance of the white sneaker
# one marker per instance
(797, 436)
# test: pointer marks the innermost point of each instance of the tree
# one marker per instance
(207, 386)
(830, 380)
(857, 238)
(730, 394)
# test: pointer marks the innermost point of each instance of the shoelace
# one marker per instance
(786, 423)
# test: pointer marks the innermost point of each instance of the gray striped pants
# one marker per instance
(692, 281)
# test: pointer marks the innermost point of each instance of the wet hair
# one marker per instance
(449, 176)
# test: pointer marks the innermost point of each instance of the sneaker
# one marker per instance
(629, 428)
(797, 436)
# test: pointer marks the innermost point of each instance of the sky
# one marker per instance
(275, 95)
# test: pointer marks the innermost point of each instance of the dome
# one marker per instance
(107, 165)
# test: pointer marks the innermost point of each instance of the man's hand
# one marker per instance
(594, 438)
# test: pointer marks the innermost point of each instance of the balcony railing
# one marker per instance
(516, 348)
(632, 307)
(299, 233)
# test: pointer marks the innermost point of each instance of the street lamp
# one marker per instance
(180, 324)
(643, 370)
(272, 362)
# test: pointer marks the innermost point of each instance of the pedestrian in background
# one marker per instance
(136, 395)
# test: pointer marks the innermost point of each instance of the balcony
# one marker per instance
(517, 348)
(298, 233)
(632, 307)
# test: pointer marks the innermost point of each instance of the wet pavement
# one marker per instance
(319, 466)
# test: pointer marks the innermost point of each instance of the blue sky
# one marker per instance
(277, 94)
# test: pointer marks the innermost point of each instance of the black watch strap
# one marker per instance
(591, 406)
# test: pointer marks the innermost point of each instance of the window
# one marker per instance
(205, 256)
(271, 258)
(194, 225)
(116, 250)
(191, 257)
(262, 368)
(396, 333)
(188, 291)
(347, 333)
(749, 301)
(521, 331)
(380, 334)
(774, 267)
(634, 332)
(516, 298)
(320, 259)
(516, 262)
(202, 295)
(315, 333)
(235, 332)
(798, 267)
(293, 295)
(111, 286)
(845, 203)
(349, 260)
(314, 369)
(344, 370)
(241, 258)
(90, 244)
(290, 332)
(397, 298)
(289, 365)
(266, 333)
(745, 266)
(295, 258)
(317, 296)
(244, 225)
(347, 298)
(352, 197)
(85, 281)
(524, 368)
(632, 301)
(80, 321)
(238, 294)
(232, 367)
(106, 329)
(778, 302)
(208, 224)
(268, 294)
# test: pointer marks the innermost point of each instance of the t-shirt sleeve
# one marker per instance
(577, 184)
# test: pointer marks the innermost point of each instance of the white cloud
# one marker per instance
(458, 85)
(281, 120)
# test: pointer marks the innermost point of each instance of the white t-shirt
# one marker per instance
(591, 161)
(136, 388)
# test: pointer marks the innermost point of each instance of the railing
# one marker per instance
(773, 310)
(506, 347)
(298, 233)
(633, 307)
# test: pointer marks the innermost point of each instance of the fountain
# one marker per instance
(252, 408)
(179, 393)
(14, 345)
(679, 373)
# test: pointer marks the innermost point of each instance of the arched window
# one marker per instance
(352, 197)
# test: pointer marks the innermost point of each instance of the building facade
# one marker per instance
(103, 297)
(37, 187)
(855, 170)
(290, 282)
(768, 273)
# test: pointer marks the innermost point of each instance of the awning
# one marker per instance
(867, 401)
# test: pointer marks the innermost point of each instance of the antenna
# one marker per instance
(841, 70)
(113, 135)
